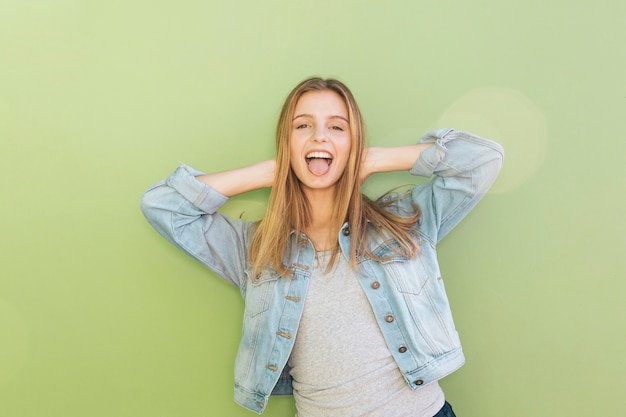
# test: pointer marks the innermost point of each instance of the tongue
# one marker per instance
(318, 166)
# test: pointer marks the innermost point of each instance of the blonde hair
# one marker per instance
(289, 210)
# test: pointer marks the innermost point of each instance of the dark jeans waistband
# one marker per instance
(446, 411)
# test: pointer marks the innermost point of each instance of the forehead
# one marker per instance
(324, 102)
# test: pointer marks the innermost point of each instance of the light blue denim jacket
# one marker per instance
(407, 295)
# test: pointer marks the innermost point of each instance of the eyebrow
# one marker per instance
(331, 117)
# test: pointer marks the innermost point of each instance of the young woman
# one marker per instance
(344, 302)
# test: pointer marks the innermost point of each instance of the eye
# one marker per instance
(337, 128)
(302, 126)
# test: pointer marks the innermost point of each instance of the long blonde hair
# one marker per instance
(289, 210)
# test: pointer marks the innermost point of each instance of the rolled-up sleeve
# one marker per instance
(185, 211)
(200, 195)
(463, 166)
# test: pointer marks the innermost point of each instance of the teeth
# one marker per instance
(324, 155)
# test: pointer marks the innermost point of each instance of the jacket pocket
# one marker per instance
(408, 276)
(259, 294)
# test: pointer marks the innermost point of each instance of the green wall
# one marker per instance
(99, 316)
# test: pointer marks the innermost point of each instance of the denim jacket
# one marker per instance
(407, 295)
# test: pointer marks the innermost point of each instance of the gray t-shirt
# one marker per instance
(340, 362)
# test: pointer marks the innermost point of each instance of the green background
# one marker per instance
(99, 316)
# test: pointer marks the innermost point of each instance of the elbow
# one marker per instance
(498, 159)
(147, 204)
(490, 170)
(152, 206)
(500, 150)
(494, 159)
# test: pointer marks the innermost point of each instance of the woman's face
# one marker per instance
(320, 139)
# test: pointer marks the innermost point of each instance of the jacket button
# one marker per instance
(376, 285)
(346, 231)
(389, 318)
(419, 381)
(402, 349)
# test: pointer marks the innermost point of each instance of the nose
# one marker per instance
(320, 134)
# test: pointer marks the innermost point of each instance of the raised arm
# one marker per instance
(397, 158)
(462, 166)
(241, 180)
(183, 209)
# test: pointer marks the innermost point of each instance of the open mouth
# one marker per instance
(319, 162)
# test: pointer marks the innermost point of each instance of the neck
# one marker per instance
(322, 239)
(320, 229)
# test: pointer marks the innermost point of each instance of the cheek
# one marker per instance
(293, 145)
(295, 160)
(345, 147)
